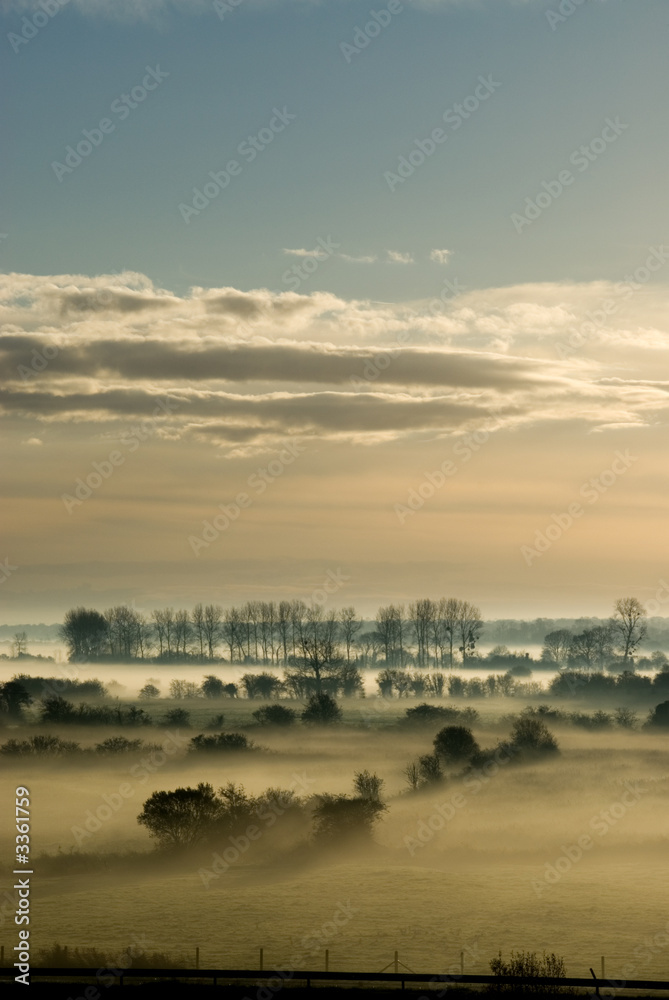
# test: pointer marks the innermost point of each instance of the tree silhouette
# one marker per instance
(180, 818)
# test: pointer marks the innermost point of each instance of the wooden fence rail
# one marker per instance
(320, 976)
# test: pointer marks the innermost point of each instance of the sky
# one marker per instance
(347, 303)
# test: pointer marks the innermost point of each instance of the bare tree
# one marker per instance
(20, 644)
(557, 645)
(628, 626)
(212, 627)
(350, 626)
(470, 626)
(197, 621)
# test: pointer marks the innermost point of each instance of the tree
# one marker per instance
(628, 626)
(659, 716)
(212, 627)
(338, 818)
(368, 786)
(212, 687)
(429, 768)
(20, 644)
(469, 628)
(556, 646)
(180, 818)
(85, 633)
(197, 621)
(149, 691)
(455, 743)
(14, 698)
(261, 685)
(321, 710)
(319, 657)
(221, 741)
(350, 626)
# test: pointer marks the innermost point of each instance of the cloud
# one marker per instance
(318, 252)
(395, 257)
(441, 256)
(357, 260)
(249, 366)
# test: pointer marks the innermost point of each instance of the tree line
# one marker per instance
(423, 633)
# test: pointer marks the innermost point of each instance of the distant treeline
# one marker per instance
(423, 634)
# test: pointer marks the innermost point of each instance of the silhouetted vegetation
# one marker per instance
(321, 710)
(275, 715)
(221, 742)
(340, 819)
(529, 965)
(59, 710)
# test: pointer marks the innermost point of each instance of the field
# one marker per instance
(476, 865)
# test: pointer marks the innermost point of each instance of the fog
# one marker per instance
(544, 855)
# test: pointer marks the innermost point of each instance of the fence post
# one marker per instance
(2, 954)
(197, 958)
(397, 962)
(462, 963)
(327, 960)
(261, 956)
(603, 968)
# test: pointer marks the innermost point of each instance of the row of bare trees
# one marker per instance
(424, 633)
(594, 648)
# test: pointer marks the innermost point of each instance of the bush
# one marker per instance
(212, 687)
(221, 741)
(426, 713)
(275, 715)
(117, 744)
(321, 710)
(42, 745)
(368, 786)
(177, 717)
(338, 818)
(453, 744)
(429, 769)
(659, 716)
(532, 736)
(529, 965)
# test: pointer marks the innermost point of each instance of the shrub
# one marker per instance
(532, 736)
(321, 710)
(275, 715)
(455, 743)
(659, 716)
(177, 717)
(43, 744)
(338, 818)
(221, 741)
(117, 744)
(429, 769)
(529, 965)
(425, 713)
(368, 786)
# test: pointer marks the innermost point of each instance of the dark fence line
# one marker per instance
(309, 977)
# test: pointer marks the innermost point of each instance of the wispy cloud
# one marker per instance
(441, 256)
(396, 257)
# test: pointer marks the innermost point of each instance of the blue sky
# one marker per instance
(119, 209)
